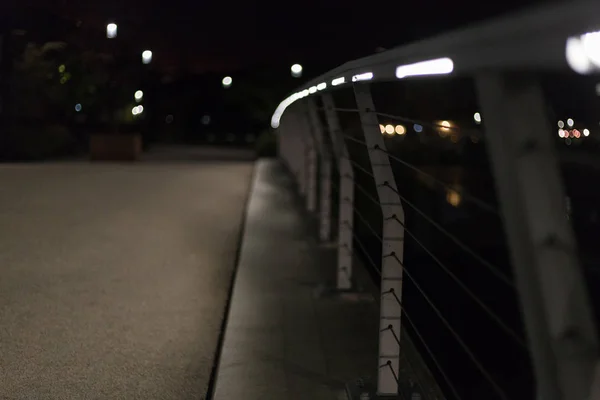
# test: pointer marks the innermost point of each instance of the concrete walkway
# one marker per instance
(284, 339)
(114, 278)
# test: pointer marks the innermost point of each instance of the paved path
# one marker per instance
(284, 339)
(114, 278)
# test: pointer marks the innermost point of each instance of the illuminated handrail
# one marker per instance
(553, 37)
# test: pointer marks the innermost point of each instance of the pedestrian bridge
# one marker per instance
(427, 232)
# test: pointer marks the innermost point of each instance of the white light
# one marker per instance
(227, 81)
(586, 132)
(312, 89)
(169, 119)
(438, 66)
(77, 107)
(338, 81)
(147, 57)
(389, 129)
(561, 124)
(138, 95)
(570, 122)
(111, 31)
(561, 133)
(296, 70)
(367, 76)
(583, 52)
(137, 110)
(477, 117)
(322, 86)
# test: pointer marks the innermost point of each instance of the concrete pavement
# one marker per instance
(286, 339)
(114, 278)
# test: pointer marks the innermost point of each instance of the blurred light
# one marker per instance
(586, 132)
(477, 117)
(400, 130)
(63, 80)
(62, 68)
(438, 66)
(598, 89)
(111, 31)
(576, 133)
(296, 70)
(338, 81)
(147, 57)
(312, 89)
(418, 128)
(382, 128)
(453, 197)
(570, 122)
(454, 138)
(227, 81)
(561, 133)
(583, 52)
(206, 120)
(367, 76)
(389, 129)
(78, 108)
(568, 141)
(138, 95)
(137, 110)
(561, 124)
(321, 86)
(169, 119)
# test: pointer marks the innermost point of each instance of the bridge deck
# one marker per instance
(286, 339)
(113, 278)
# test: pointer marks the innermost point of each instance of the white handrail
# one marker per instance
(535, 39)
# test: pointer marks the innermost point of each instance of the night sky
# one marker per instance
(228, 35)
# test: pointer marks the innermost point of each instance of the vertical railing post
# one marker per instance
(346, 196)
(292, 130)
(324, 171)
(392, 246)
(557, 311)
(310, 156)
(284, 145)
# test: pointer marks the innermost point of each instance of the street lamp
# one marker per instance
(111, 30)
(296, 70)
(147, 57)
(227, 82)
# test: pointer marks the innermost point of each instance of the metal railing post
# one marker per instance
(346, 196)
(285, 146)
(297, 149)
(392, 245)
(324, 171)
(558, 316)
(310, 157)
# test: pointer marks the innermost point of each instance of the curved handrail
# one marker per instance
(549, 37)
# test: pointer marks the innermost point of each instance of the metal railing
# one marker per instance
(394, 173)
